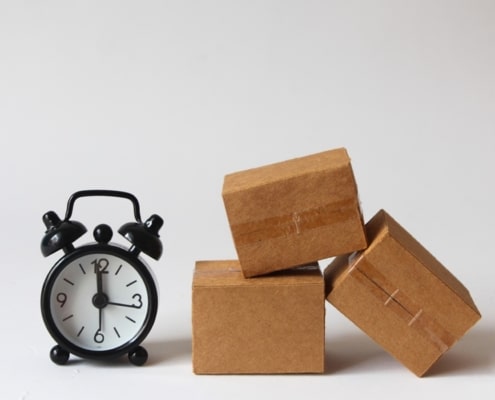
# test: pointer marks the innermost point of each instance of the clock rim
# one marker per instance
(100, 248)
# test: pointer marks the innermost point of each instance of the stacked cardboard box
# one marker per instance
(294, 212)
(264, 313)
(401, 296)
(270, 324)
(249, 318)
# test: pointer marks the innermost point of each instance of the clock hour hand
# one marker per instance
(138, 303)
(123, 305)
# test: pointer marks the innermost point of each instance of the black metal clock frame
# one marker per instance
(60, 235)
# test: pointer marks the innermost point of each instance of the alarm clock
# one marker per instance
(100, 300)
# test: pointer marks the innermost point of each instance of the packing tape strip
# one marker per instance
(217, 273)
(396, 300)
(295, 223)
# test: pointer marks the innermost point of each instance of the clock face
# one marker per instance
(99, 302)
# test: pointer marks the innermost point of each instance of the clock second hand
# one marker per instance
(99, 292)
(100, 300)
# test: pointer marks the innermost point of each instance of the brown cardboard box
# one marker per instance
(268, 325)
(401, 296)
(294, 212)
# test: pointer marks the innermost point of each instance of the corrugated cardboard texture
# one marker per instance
(268, 325)
(294, 212)
(401, 296)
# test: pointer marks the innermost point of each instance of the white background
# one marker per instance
(163, 98)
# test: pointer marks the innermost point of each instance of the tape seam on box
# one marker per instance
(295, 222)
(413, 315)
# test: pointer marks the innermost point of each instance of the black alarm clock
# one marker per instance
(99, 301)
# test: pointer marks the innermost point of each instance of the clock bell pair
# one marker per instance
(100, 300)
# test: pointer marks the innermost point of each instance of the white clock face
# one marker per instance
(99, 302)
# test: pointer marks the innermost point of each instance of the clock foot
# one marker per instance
(138, 356)
(59, 355)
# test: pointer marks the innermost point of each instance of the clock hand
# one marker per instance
(99, 280)
(124, 305)
(136, 297)
(100, 299)
(99, 292)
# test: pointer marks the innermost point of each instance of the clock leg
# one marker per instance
(138, 356)
(59, 355)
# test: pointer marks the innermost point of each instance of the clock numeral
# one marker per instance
(101, 265)
(137, 296)
(61, 299)
(99, 338)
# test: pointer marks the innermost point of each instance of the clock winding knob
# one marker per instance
(103, 233)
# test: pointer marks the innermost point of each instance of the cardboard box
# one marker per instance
(401, 296)
(294, 212)
(268, 325)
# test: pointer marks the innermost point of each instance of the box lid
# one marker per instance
(265, 211)
(330, 159)
(228, 273)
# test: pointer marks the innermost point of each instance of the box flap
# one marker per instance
(329, 171)
(242, 180)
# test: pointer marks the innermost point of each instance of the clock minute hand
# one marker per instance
(100, 300)
(99, 280)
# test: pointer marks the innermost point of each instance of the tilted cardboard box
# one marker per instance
(294, 212)
(401, 296)
(268, 325)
